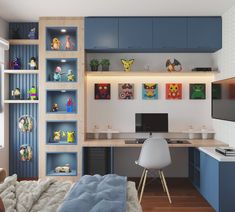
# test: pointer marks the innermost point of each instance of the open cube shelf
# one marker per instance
(61, 38)
(62, 99)
(61, 164)
(61, 70)
(61, 133)
(21, 30)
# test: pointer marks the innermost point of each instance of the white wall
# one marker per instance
(121, 113)
(4, 157)
(225, 60)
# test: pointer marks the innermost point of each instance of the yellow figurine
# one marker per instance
(70, 137)
(57, 135)
(55, 45)
(127, 64)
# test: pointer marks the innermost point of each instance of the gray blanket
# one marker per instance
(97, 194)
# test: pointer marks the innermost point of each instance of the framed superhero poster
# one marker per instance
(126, 91)
(197, 91)
(173, 91)
(102, 91)
(149, 91)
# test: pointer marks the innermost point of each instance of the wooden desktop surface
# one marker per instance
(121, 143)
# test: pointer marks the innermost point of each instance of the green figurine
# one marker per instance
(33, 93)
(198, 91)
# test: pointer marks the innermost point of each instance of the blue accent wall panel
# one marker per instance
(24, 52)
(24, 28)
(27, 169)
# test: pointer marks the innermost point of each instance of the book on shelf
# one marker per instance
(227, 151)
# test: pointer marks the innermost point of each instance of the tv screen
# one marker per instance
(223, 99)
(151, 122)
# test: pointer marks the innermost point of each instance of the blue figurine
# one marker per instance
(15, 64)
(32, 33)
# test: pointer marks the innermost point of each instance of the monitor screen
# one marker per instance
(151, 122)
(223, 99)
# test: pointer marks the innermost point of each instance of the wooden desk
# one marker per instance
(121, 143)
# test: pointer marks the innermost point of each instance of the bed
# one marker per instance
(91, 193)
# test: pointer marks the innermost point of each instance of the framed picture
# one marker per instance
(102, 91)
(197, 91)
(149, 91)
(174, 91)
(126, 91)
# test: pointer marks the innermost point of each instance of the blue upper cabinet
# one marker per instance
(101, 34)
(170, 34)
(135, 34)
(204, 34)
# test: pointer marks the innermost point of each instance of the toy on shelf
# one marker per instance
(55, 45)
(69, 105)
(26, 152)
(68, 43)
(70, 76)
(15, 63)
(127, 64)
(33, 63)
(65, 169)
(57, 136)
(70, 136)
(57, 74)
(32, 33)
(25, 123)
(55, 107)
(33, 93)
(16, 94)
(173, 66)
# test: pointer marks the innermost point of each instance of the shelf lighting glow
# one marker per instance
(63, 61)
(63, 91)
(63, 30)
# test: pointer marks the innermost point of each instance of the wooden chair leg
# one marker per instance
(167, 191)
(141, 180)
(160, 176)
(142, 190)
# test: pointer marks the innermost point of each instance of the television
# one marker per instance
(151, 122)
(223, 99)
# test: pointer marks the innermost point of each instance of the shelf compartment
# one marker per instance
(61, 97)
(58, 159)
(60, 127)
(65, 64)
(61, 34)
(22, 29)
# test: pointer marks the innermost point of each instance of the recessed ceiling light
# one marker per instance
(63, 30)
(63, 61)
(63, 91)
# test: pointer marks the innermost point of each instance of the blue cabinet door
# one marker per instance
(170, 34)
(205, 34)
(101, 33)
(209, 179)
(135, 33)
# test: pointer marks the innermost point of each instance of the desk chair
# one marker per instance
(155, 155)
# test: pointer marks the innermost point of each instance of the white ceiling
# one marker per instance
(29, 10)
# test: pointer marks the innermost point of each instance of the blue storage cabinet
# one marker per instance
(135, 34)
(204, 34)
(170, 34)
(101, 33)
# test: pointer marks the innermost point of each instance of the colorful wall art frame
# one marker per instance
(102, 91)
(149, 91)
(173, 90)
(197, 91)
(126, 91)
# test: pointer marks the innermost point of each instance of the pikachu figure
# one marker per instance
(127, 64)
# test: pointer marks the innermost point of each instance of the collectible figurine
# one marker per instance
(57, 74)
(25, 152)
(56, 136)
(127, 64)
(32, 33)
(68, 43)
(25, 123)
(15, 63)
(66, 169)
(55, 107)
(33, 93)
(70, 76)
(172, 67)
(70, 137)
(69, 105)
(33, 63)
(16, 94)
(55, 45)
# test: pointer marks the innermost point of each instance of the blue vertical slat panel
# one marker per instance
(24, 28)
(27, 169)
(24, 52)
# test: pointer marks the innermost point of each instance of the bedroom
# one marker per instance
(85, 84)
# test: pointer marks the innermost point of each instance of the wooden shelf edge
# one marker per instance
(23, 42)
(20, 71)
(21, 101)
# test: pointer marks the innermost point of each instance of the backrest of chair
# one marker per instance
(155, 154)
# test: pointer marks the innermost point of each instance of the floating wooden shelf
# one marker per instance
(21, 71)
(23, 42)
(149, 73)
(21, 101)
